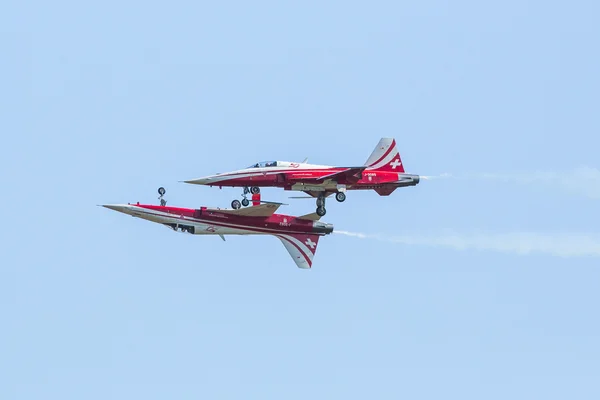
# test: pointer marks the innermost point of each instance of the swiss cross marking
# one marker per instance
(395, 163)
(310, 243)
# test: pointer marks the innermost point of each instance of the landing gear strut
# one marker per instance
(161, 192)
(321, 205)
(245, 202)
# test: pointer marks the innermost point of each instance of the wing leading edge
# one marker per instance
(262, 210)
(351, 173)
(302, 248)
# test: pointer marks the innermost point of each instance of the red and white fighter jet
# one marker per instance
(383, 172)
(299, 235)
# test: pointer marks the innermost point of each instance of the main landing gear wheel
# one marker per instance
(245, 202)
(321, 205)
(236, 204)
(340, 196)
(255, 190)
(161, 191)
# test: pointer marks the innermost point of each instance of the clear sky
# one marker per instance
(479, 285)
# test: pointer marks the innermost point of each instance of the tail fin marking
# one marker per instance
(302, 248)
(386, 157)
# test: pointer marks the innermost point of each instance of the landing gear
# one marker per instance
(321, 205)
(340, 196)
(161, 192)
(245, 202)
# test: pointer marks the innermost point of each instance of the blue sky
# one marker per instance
(105, 102)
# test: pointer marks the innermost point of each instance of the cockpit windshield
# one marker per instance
(264, 164)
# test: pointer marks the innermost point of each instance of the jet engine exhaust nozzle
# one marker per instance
(322, 227)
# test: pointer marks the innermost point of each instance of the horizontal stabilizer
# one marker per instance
(385, 191)
(311, 217)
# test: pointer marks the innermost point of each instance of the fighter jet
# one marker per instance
(299, 235)
(383, 172)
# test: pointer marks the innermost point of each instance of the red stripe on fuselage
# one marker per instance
(309, 177)
(302, 226)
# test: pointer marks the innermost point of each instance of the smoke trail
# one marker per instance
(561, 245)
(583, 180)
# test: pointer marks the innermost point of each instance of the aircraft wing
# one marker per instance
(311, 216)
(261, 210)
(349, 172)
(302, 247)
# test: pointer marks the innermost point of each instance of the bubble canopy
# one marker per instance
(264, 164)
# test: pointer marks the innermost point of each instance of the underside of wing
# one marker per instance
(350, 173)
(302, 248)
(262, 210)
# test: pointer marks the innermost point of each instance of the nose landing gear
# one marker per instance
(161, 192)
(236, 204)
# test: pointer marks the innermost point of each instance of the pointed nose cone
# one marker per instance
(200, 181)
(126, 209)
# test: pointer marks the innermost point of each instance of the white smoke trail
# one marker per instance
(561, 245)
(583, 180)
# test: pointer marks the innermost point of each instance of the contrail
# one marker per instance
(559, 244)
(583, 180)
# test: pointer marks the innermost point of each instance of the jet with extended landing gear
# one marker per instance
(299, 235)
(383, 172)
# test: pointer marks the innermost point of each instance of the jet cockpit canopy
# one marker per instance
(264, 164)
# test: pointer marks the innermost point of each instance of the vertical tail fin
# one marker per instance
(385, 157)
(302, 247)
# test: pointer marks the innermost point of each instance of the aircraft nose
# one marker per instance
(200, 181)
(118, 207)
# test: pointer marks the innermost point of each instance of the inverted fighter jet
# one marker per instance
(299, 235)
